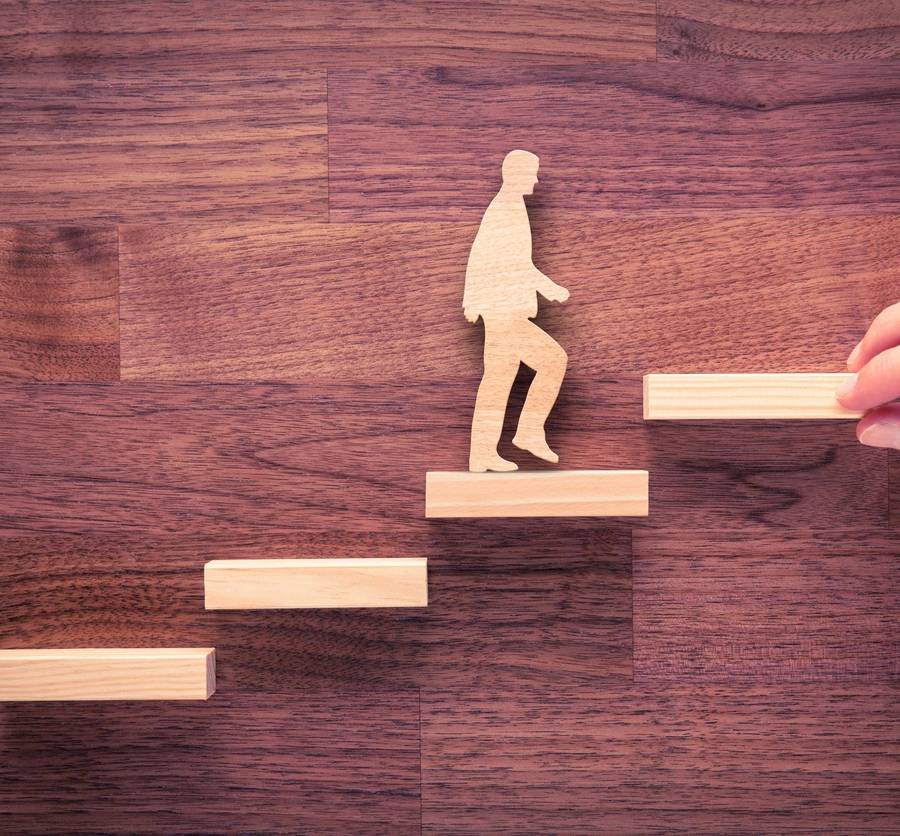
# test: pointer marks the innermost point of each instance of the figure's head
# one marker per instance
(520, 170)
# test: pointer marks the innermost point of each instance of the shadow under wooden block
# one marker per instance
(265, 760)
(165, 673)
(331, 583)
(773, 397)
(508, 601)
(548, 493)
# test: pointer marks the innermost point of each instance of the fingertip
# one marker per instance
(882, 434)
(845, 392)
(881, 428)
(876, 383)
(883, 333)
(853, 363)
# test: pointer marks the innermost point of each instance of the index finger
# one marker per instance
(883, 333)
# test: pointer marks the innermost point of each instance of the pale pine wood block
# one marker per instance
(548, 493)
(164, 673)
(316, 582)
(744, 396)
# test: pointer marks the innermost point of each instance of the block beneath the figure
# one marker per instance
(545, 493)
(316, 582)
(726, 397)
(164, 673)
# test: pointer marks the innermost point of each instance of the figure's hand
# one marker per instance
(471, 316)
(558, 293)
(876, 382)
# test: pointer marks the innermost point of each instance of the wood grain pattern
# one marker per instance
(555, 493)
(336, 33)
(785, 30)
(59, 316)
(157, 673)
(741, 217)
(305, 302)
(305, 583)
(627, 136)
(894, 487)
(282, 761)
(709, 758)
(515, 604)
(130, 143)
(295, 302)
(730, 397)
(769, 476)
(791, 606)
(244, 459)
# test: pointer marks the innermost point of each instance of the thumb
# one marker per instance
(881, 427)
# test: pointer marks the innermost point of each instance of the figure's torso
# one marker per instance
(500, 273)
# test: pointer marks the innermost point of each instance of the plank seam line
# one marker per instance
(119, 302)
(421, 782)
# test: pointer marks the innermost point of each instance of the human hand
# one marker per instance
(876, 381)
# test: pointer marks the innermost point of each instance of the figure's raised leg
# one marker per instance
(539, 351)
(500, 368)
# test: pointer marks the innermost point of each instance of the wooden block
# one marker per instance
(157, 673)
(774, 397)
(548, 493)
(328, 583)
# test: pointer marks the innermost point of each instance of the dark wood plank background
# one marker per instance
(232, 244)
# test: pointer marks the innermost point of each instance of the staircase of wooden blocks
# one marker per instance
(189, 673)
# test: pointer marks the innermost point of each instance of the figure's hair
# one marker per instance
(515, 162)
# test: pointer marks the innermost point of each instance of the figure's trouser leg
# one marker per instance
(500, 367)
(539, 351)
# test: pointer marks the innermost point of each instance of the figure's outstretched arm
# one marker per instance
(548, 288)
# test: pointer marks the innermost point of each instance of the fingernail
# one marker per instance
(881, 434)
(846, 387)
(854, 354)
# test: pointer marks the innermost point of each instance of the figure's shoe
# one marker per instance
(537, 446)
(481, 464)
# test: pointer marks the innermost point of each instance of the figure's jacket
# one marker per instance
(500, 276)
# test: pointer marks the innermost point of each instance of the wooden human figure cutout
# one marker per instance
(502, 284)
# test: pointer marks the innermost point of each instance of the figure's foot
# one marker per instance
(537, 446)
(481, 464)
